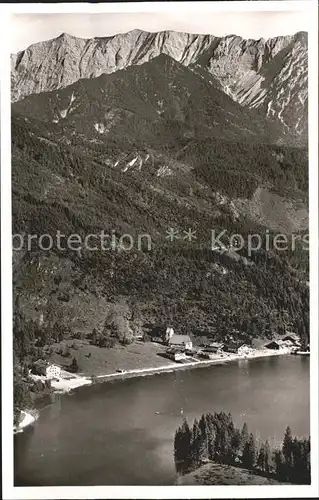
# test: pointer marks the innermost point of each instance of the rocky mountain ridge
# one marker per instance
(267, 74)
(160, 97)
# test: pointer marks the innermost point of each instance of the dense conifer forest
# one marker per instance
(214, 437)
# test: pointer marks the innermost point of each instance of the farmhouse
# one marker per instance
(180, 341)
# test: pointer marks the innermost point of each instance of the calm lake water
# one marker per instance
(110, 433)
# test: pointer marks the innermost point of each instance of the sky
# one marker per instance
(31, 28)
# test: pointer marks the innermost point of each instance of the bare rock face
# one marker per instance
(271, 74)
(278, 83)
(60, 62)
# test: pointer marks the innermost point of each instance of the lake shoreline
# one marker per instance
(79, 380)
(221, 360)
(76, 381)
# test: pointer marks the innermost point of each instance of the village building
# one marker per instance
(215, 347)
(231, 347)
(45, 369)
(275, 344)
(285, 341)
(289, 343)
(291, 337)
(181, 342)
(53, 371)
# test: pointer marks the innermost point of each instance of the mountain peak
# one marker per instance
(66, 36)
(136, 31)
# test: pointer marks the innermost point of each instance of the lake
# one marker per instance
(111, 434)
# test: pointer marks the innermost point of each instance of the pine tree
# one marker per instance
(297, 471)
(287, 447)
(267, 458)
(279, 460)
(94, 336)
(178, 449)
(236, 444)
(261, 459)
(211, 443)
(244, 436)
(226, 443)
(249, 453)
(74, 367)
(196, 445)
(182, 447)
(203, 426)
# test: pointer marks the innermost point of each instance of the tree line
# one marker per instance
(216, 438)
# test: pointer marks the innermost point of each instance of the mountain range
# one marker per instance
(266, 74)
(147, 132)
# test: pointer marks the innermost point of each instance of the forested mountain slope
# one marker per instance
(152, 148)
(140, 174)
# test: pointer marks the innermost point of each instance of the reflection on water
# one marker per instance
(122, 432)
